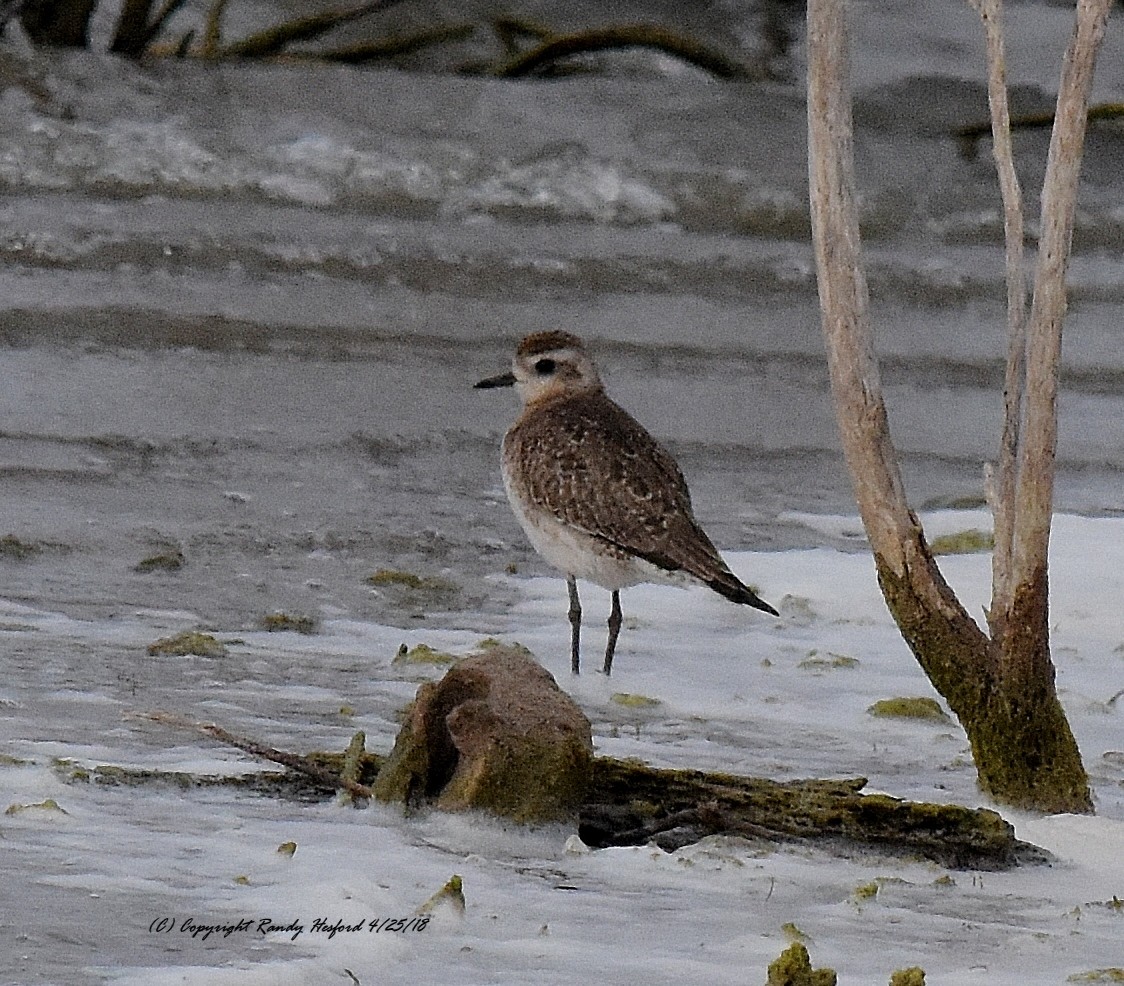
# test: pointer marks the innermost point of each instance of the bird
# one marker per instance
(597, 496)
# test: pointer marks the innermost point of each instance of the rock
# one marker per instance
(496, 733)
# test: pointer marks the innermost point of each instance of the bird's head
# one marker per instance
(546, 365)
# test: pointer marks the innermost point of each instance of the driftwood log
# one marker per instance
(553, 48)
(631, 803)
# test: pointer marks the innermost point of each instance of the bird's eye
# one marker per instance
(544, 367)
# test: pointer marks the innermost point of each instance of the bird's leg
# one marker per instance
(614, 631)
(575, 615)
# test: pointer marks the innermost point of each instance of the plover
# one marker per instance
(598, 497)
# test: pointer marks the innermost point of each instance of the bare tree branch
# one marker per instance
(1001, 493)
(294, 761)
(163, 15)
(1034, 492)
(272, 40)
(556, 47)
(844, 300)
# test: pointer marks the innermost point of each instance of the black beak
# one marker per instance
(503, 380)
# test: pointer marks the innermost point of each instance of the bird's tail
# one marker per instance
(731, 587)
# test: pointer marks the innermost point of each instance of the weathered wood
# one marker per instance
(552, 49)
(856, 384)
(970, 133)
(273, 39)
(1034, 493)
(631, 803)
(334, 777)
(391, 47)
(58, 23)
(1001, 492)
(1001, 687)
(688, 804)
(132, 26)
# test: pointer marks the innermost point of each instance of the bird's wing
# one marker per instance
(594, 467)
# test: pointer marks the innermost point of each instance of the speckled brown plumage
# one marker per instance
(598, 497)
(591, 465)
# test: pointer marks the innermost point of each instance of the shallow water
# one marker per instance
(241, 311)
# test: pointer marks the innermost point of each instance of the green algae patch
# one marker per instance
(631, 701)
(163, 561)
(1116, 905)
(50, 804)
(793, 967)
(969, 542)
(113, 775)
(913, 976)
(415, 594)
(423, 654)
(288, 623)
(815, 661)
(188, 642)
(389, 576)
(925, 709)
(18, 549)
(7, 760)
(793, 933)
(69, 770)
(408, 580)
(644, 809)
(450, 896)
(13, 548)
(1114, 974)
(866, 891)
(491, 644)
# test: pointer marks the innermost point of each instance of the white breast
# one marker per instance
(576, 553)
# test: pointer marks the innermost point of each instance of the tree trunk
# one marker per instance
(1024, 751)
(58, 23)
(131, 35)
(1001, 687)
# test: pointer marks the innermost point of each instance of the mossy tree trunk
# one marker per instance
(999, 684)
